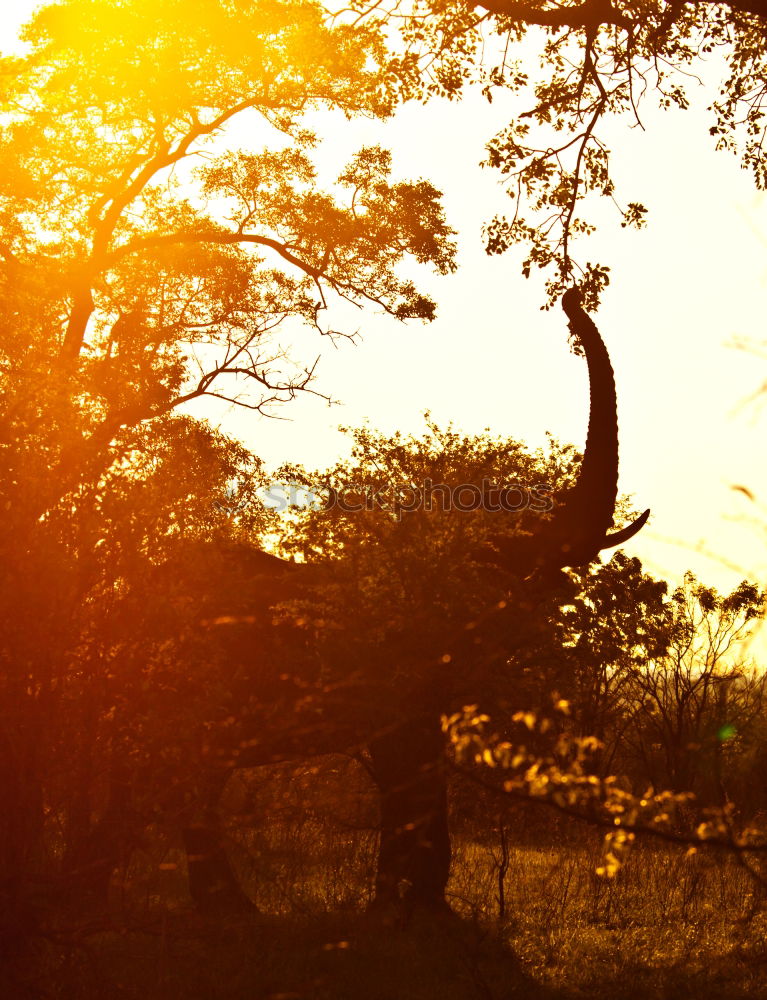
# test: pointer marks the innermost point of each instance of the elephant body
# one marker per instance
(284, 705)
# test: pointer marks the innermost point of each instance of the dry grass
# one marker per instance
(669, 925)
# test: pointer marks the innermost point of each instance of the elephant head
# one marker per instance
(580, 527)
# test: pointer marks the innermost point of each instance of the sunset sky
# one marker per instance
(683, 291)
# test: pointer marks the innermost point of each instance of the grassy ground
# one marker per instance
(669, 926)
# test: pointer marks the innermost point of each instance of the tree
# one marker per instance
(616, 624)
(692, 701)
(596, 60)
(126, 294)
(147, 262)
(681, 716)
(84, 683)
(660, 681)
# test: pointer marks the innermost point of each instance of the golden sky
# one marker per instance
(682, 290)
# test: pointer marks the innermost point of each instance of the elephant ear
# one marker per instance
(580, 526)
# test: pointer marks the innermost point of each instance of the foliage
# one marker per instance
(408, 575)
(596, 61)
(663, 681)
(132, 281)
(85, 695)
(148, 258)
(564, 779)
(668, 684)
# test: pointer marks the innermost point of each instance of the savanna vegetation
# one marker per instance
(369, 748)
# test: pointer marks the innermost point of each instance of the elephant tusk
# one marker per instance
(619, 537)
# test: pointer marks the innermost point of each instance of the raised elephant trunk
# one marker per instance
(581, 526)
(587, 515)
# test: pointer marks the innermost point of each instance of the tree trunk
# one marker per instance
(21, 840)
(408, 765)
(213, 885)
(212, 882)
(95, 851)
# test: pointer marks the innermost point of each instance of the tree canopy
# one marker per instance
(573, 66)
(145, 264)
